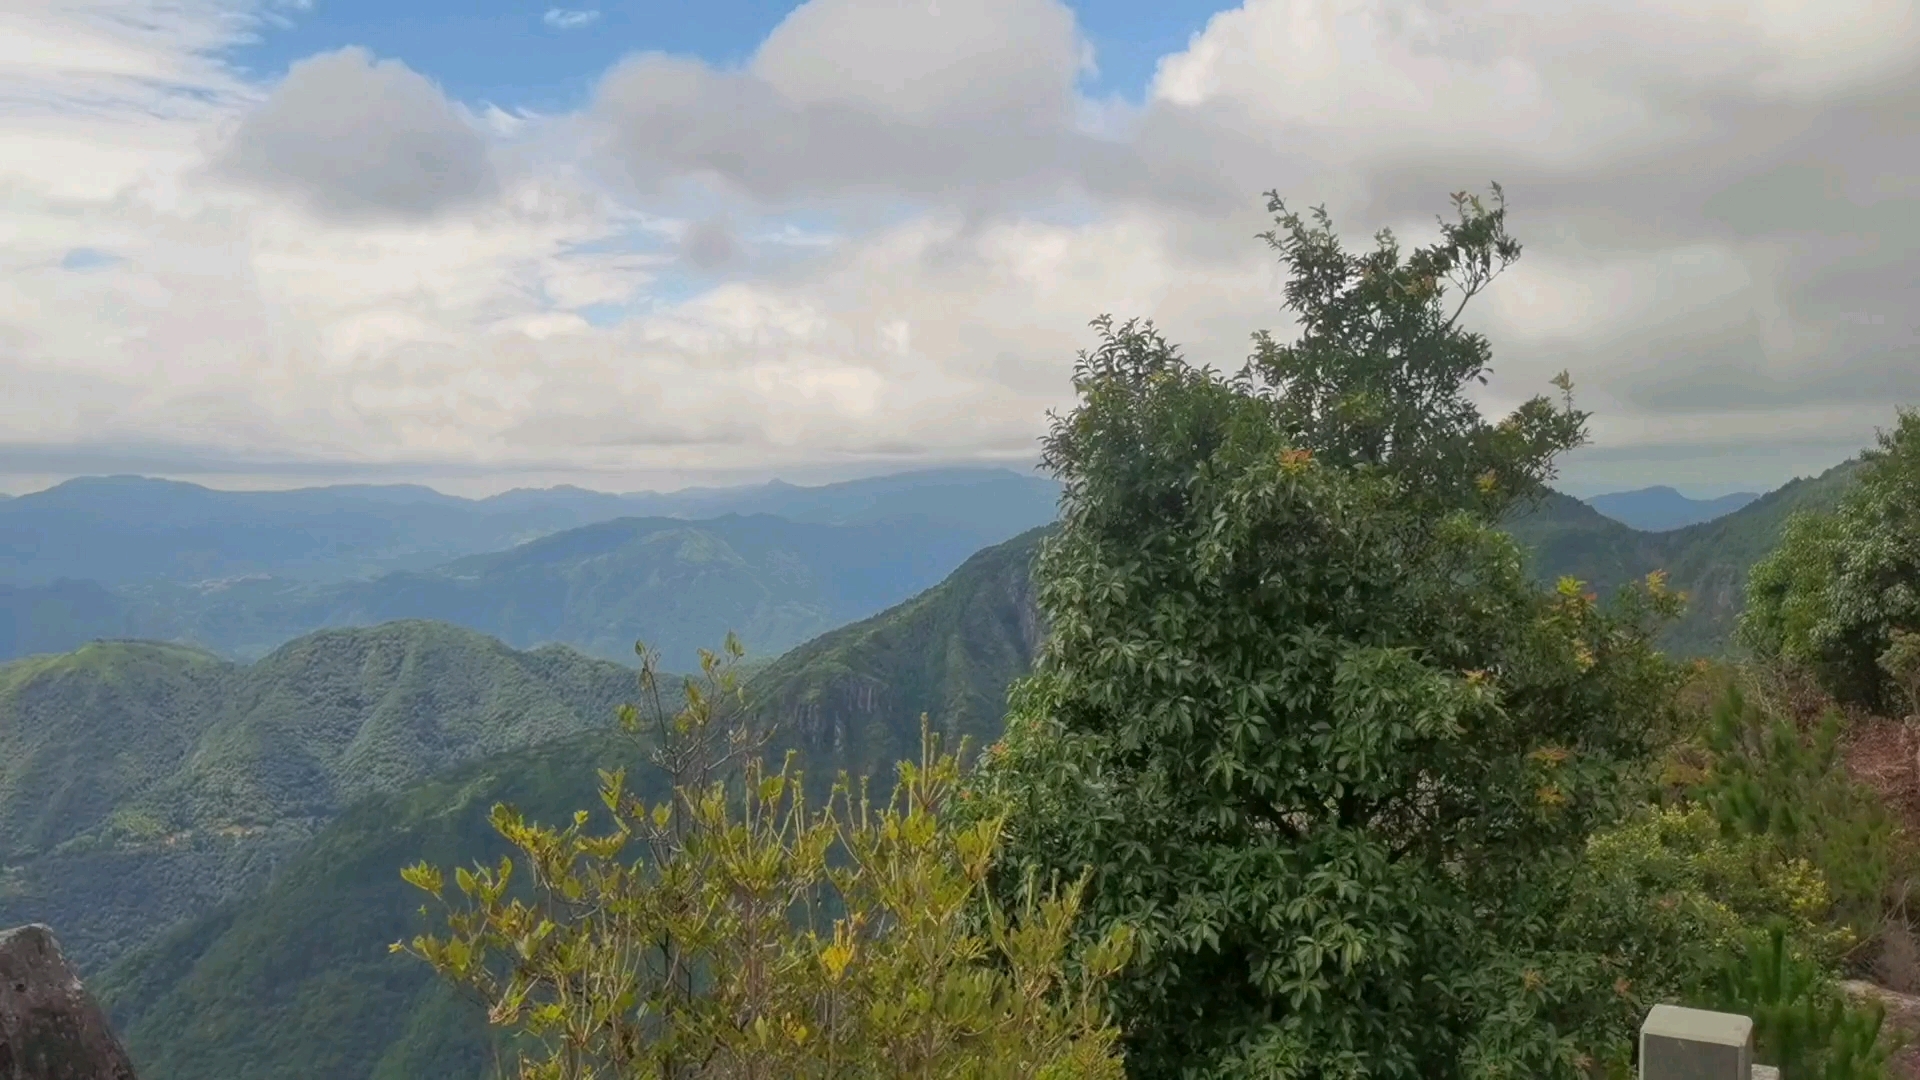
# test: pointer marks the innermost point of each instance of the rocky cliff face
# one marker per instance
(50, 1027)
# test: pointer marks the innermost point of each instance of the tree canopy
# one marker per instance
(1301, 712)
(1843, 587)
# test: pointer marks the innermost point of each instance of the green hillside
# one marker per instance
(856, 695)
(140, 783)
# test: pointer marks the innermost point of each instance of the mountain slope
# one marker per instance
(296, 983)
(1708, 561)
(1711, 560)
(856, 695)
(1659, 509)
(141, 782)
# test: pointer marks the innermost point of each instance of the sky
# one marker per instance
(485, 244)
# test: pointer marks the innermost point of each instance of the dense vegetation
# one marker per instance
(1844, 587)
(1302, 713)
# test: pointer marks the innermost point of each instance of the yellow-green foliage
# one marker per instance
(1698, 881)
(754, 936)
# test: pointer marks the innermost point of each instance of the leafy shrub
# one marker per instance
(756, 937)
(1831, 596)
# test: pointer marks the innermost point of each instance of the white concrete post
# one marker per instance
(1693, 1044)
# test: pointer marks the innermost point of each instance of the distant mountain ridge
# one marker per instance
(679, 585)
(1660, 509)
(123, 529)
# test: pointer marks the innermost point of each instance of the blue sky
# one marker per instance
(505, 53)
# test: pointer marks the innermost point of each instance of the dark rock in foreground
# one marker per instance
(50, 1027)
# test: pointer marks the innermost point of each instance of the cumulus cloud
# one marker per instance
(943, 102)
(353, 137)
(1717, 201)
(929, 63)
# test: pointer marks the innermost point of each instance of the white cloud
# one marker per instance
(352, 136)
(569, 19)
(911, 214)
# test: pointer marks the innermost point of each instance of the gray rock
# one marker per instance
(50, 1027)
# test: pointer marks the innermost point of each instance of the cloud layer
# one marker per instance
(878, 241)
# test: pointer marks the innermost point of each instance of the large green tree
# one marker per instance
(1842, 587)
(1302, 713)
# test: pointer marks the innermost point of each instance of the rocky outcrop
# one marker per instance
(50, 1027)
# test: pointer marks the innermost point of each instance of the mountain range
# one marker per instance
(679, 585)
(1659, 509)
(846, 552)
(121, 529)
(227, 875)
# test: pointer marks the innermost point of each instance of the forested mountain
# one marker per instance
(1658, 509)
(855, 696)
(679, 585)
(121, 529)
(140, 783)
